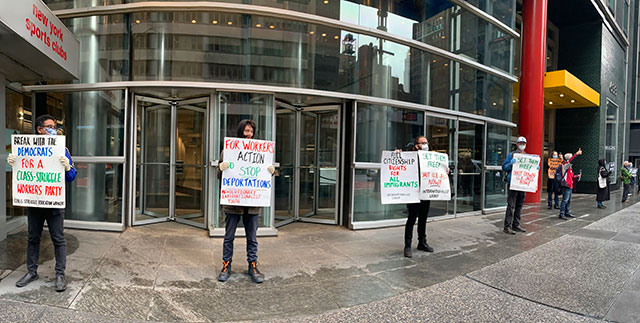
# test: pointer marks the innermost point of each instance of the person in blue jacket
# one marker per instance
(515, 199)
(46, 125)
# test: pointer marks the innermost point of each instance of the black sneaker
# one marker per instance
(556, 207)
(61, 283)
(562, 218)
(225, 272)
(255, 274)
(508, 231)
(26, 279)
(424, 247)
(519, 229)
(569, 216)
(549, 207)
(407, 252)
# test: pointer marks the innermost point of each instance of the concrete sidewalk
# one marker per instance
(557, 271)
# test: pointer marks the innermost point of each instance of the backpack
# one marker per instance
(560, 177)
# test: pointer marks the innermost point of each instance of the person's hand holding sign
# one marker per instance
(224, 165)
(271, 169)
(579, 152)
(65, 162)
(11, 159)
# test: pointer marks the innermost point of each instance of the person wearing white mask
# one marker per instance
(515, 199)
(419, 211)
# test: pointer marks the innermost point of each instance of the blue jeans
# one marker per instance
(566, 201)
(599, 203)
(250, 222)
(551, 192)
(55, 221)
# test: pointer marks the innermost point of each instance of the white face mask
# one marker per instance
(522, 147)
(555, 156)
(425, 147)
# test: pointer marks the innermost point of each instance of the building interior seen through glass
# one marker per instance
(19, 118)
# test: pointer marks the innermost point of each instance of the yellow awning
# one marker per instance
(562, 90)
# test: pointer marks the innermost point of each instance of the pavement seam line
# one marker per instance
(531, 300)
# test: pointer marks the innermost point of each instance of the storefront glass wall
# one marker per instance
(19, 117)
(498, 138)
(93, 123)
(224, 47)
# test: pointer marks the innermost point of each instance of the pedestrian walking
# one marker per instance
(553, 164)
(249, 215)
(625, 175)
(515, 199)
(567, 184)
(419, 211)
(46, 125)
(603, 193)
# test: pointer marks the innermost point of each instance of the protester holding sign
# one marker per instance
(418, 210)
(45, 125)
(567, 183)
(515, 199)
(234, 211)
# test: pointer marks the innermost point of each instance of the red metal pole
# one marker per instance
(534, 36)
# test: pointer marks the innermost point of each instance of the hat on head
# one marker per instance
(521, 139)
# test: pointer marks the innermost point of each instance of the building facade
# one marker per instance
(332, 82)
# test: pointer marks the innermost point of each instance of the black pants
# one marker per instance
(515, 200)
(420, 211)
(55, 221)
(625, 192)
(250, 222)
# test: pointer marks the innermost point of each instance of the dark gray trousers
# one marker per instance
(515, 201)
(55, 221)
(250, 222)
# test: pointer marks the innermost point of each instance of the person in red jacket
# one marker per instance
(567, 184)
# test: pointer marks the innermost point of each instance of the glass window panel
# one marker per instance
(93, 122)
(497, 144)
(440, 134)
(96, 193)
(385, 128)
(235, 107)
(104, 47)
(470, 147)
(18, 120)
(495, 189)
(366, 199)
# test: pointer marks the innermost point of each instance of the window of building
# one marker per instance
(18, 120)
(611, 137)
(625, 23)
(612, 6)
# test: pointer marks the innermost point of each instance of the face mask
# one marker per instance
(51, 131)
(555, 156)
(521, 147)
(425, 146)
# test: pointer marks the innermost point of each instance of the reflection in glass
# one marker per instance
(96, 193)
(495, 189)
(366, 199)
(285, 155)
(190, 162)
(497, 144)
(235, 107)
(470, 147)
(440, 134)
(381, 128)
(18, 120)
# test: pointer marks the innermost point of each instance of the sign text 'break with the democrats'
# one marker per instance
(38, 175)
(247, 181)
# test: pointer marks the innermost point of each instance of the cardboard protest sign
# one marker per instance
(399, 178)
(524, 173)
(38, 175)
(434, 180)
(247, 181)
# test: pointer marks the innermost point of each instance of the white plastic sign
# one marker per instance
(38, 175)
(247, 181)
(524, 173)
(434, 180)
(399, 182)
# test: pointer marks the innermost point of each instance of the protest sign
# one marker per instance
(38, 175)
(524, 173)
(247, 181)
(434, 180)
(399, 178)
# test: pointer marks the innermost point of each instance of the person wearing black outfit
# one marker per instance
(419, 211)
(249, 215)
(45, 125)
(603, 193)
